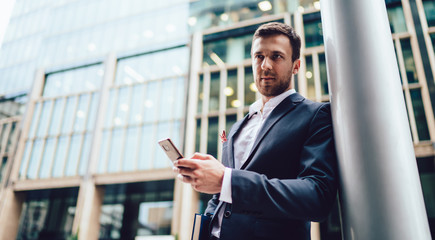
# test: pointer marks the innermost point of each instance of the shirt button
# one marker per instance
(227, 214)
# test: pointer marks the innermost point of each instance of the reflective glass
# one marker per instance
(59, 160)
(104, 152)
(420, 116)
(92, 115)
(432, 37)
(176, 133)
(213, 104)
(309, 76)
(47, 158)
(56, 116)
(116, 146)
(396, 18)
(73, 155)
(48, 214)
(200, 93)
(131, 148)
(198, 135)
(81, 113)
(140, 206)
(167, 100)
(43, 119)
(122, 107)
(25, 159)
(231, 90)
(84, 155)
(147, 146)
(69, 114)
(250, 88)
(232, 50)
(313, 30)
(160, 158)
(429, 10)
(411, 71)
(12, 138)
(323, 74)
(179, 98)
(230, 120)
(212, 136)
(110, 109)
(152, 91)
(136, 104)
(35, 159)
(35, 119)
(3, 167)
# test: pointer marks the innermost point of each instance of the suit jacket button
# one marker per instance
(227, 214)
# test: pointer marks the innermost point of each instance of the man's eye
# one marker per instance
(276, 56)
(259, 57)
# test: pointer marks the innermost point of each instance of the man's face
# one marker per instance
(272, 64)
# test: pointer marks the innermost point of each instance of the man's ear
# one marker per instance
(296, 66)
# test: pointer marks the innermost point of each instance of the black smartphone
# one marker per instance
(170, 149)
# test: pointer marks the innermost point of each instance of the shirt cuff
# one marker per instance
(225, 195)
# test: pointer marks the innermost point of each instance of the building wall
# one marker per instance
(106, 80)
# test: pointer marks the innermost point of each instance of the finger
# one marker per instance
(201, 156)
(184, 178)
(186, 163)
(175, 169)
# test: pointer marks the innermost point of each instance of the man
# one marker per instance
(279, 163)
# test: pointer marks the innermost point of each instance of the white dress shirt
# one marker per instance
(243, 144)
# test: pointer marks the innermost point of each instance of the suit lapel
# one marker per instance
(280, 111)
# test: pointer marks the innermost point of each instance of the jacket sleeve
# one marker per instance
(211, 205)
(309, 196)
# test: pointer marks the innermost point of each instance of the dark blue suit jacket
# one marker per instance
(289, 178)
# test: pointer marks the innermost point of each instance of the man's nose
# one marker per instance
(266, 64)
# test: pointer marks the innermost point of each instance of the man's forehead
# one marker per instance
(274, 43)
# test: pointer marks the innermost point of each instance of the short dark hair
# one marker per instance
(276, 28)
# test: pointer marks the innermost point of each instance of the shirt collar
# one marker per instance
(270, 105)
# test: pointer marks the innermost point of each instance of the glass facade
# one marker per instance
(115, 79)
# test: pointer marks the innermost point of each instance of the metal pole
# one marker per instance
(381, 196)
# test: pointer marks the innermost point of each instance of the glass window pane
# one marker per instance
(73, 155)
(104, 152)
(35, 159)
(69, 114)
(396, 17)
(214, 92)
(323, 74)
(84, 158)
(59, 160)
(200, 93)
(411, 71)
(136, 104)
(198, 135)
(47, 158)
(231, 119)
(212, 136)
(43, 122)
(150, 101)
(167, 99)
(147, 146)
(160, 159)
(130, 153)
(110, 108)
(56, 116)
(313, 30)
(81, 113)
(179, 98)
(93, 111)
(250, 88)
(309, 75)
(420, 116)
(231, 90)
(429, 10)
(35, 119)
(26, 157)
(122, 107)
(115, 150)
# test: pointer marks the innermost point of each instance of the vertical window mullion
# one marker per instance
(240, 91)
(204, 115)
(317, 83)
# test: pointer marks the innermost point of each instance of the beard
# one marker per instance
(275, 87)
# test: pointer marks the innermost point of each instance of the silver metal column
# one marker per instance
(381, 196)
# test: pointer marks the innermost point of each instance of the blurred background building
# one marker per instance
(87, 87)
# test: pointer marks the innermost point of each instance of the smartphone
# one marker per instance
(170, 149)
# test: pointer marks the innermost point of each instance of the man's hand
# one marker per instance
(202, 171)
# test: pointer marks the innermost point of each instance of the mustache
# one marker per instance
(267, 73)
